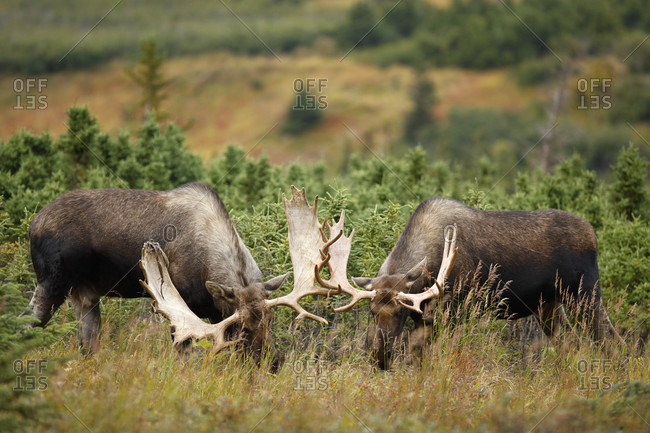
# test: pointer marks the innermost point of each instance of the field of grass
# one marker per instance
(474, 380)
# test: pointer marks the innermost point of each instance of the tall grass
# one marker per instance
(472, 376)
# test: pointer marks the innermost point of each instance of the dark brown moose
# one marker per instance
(547, 258)
(88, 243)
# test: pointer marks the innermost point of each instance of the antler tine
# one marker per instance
(438, 288)
(169, 303)
(321, 281)
(339, 254)
(328, 242)
(357, 295)
(306, 247)
(324, 253)
(291, 300)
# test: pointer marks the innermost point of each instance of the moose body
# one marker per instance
(87, 244)
(547, 257)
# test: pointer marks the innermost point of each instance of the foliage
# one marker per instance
(304, 113)
(485, 34)
(625, 274)
(137, 365)
(421, 115)
(631, 100)
(19, 404)
(503, 136)
(36, 170)
(629, 192)
(476, 34)
(149, 76)
(536, 70)
(177, 29)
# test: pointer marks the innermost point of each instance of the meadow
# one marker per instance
(486, 375)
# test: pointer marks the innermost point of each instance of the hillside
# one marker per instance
(503, 73)
(235, 99)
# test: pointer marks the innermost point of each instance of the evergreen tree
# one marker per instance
(421, 116)
(629, 192)
(361, 18)
(417, 164)
(404, 18)
(303, 114)
(149, 76)
(79, 141)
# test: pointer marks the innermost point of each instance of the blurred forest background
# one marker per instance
(482, 78)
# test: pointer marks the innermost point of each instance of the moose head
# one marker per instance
(388, 294)
(252, 304)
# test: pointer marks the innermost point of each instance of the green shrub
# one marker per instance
(378, 193)
(630, 193)
(624, 254)
(631, 100)
(304, 113)
(536, 70)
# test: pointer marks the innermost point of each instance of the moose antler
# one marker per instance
(306, 247)
(437, 289)
(339, 253)
(170, 304)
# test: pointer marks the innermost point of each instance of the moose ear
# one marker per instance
(220, 292)
(364, 282)
(416, 272)
(275, 283)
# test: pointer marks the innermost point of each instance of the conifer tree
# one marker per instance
(421, 115)
(629, 193)
(149, 76)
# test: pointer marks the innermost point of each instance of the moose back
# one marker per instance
(87, 244)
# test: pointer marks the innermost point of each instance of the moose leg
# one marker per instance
(184, 348)
(417, 342)
(383, 348)
(591, 312)
(422, 335)
(87, 313)
(553, 320)
(602, 328)
(44, 303)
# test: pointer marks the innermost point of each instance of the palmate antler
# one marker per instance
(438, 288)
(306, 247)
(169, 303)
(308, 253)
(339, 253)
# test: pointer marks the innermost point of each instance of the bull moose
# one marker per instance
(547, 258)
(87, 244)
